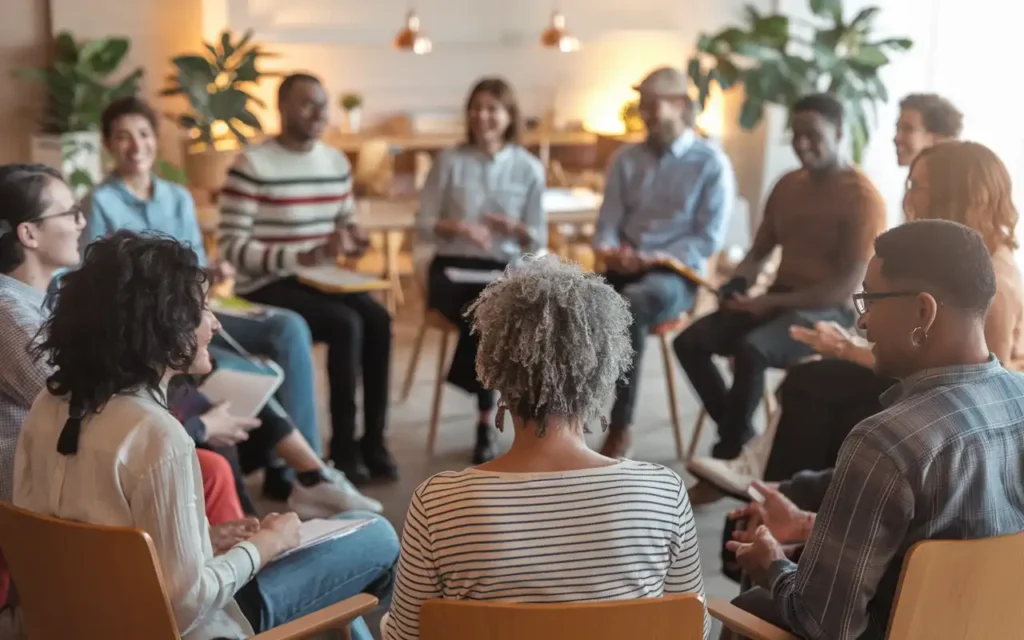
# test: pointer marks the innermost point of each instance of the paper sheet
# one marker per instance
(471, 276)
(247, 392)
(317, 531)
(332, 277)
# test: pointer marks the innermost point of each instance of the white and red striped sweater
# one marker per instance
(276, 204)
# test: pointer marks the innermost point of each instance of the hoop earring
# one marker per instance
(499, 420)
(918, 337)
(604, 424)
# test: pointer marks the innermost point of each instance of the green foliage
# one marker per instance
(77, 81)
(350, 101)
(777, 60)
(218, 87)
(630, 116)
(171, 172)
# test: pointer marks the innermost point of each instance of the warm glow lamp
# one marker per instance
(557, 37)
(410, 38)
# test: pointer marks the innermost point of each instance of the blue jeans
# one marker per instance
(309, 580)
(284, 337)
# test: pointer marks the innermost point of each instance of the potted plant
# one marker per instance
(77, 82)
(777, 59)
(217, 85)
(352, 104)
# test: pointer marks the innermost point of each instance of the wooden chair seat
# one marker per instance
(672, 327)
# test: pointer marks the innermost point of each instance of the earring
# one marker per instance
(499, 420)
(604, 424)
(918, 337)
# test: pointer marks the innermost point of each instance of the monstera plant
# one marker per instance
(218, 86)
(777, 59)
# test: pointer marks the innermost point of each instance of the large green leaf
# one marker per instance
(751, 113)
(215, 56)
(227, 104)
(249, 119)
(773, 30)
(246, 69)
(865, 18)
(104, 56)
(241, 137)
(903, 44)
(244, 40)
(727, 74)
(827, 8)
(227, 49)
(66, 48)
(195, 68)
(869, 56)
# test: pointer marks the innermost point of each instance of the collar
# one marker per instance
(504, 153)
(679, 146)
(160, 190)
(930, 378)
(22, 291)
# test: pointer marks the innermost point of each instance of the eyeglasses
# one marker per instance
(75, 211)
(862, 301)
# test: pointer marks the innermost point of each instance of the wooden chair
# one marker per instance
(949, 590)
(431, 320)
(677, 617)
(665, 333)
(91, 582)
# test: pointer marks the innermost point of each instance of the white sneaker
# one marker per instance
(326, 499)
(732, 477)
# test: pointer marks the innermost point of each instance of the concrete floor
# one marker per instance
(407, 433)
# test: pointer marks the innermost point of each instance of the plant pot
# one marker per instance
(79, 156)
(354, 119)
(208, 169)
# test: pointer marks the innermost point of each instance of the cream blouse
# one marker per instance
(136, 467)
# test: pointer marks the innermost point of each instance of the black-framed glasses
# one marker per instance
(862, 301)
(77, 211)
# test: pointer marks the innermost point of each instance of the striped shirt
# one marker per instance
(677, 203)
(278, 203)
(945, 460)
(612, 533)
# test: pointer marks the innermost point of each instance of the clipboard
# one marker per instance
(247, 392)
(676, 266)
(333, 279)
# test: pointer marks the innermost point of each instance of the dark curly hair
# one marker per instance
(22, 199)
(120, 321)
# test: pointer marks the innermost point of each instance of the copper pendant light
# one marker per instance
(410, 38)
(557, 37)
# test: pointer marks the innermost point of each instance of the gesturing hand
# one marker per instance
(479, 234)
(827, 338)
(224, 429)
(786, 522)
(756, 556)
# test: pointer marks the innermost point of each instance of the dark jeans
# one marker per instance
(450, 299)
(654, 297)
(821, 402)
(357, 330)
(755, 345)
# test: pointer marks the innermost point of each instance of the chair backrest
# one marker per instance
(961, 589)
(679, 617)
(84, 581)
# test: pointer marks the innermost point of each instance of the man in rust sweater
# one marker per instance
(824, 216)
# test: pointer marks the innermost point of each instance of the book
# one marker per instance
(333, 279)
(471, 276)
(317, 531)
(248, 392)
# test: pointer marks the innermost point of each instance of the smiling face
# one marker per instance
(815, 140)
(52, 238)
(912, 137)
(208, 327)
(304, 111)
(488, 118)
(663, 116)
(132, 144)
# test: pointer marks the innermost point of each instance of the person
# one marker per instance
(550, 520)
(481, 209)
(100, 447)
(925, 120)
(669, 196)
(824, 217)
(287, 204)
(133, 198)
(40, 225)
(942, 460)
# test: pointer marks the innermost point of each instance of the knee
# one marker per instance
(641, 302)
(385, 546)
(288, 327)
(749, 352)
(689, 344)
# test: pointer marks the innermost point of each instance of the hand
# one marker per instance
(757, 556)
(501, 224)
(358, 240)
(223, 271)
(285, 530)
(227, 534)
(786, 522)
(827, 338)
(336, 245)
(729, 290)
(479, 234)
(758, 307)
(224, 429)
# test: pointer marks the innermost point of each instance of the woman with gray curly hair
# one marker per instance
(551, 520)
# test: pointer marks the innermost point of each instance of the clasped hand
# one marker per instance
(482, 233)
(770, 525)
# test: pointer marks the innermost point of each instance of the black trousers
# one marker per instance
(755, 345)
(357, 331)
(450, 299)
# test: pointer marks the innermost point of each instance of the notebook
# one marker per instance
(332, 279)
(471, 276)
(248, 392)
(317, 531)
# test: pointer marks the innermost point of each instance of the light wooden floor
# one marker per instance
(408, 428)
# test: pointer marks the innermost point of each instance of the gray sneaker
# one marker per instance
(329, 498)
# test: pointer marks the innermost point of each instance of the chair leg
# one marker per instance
(410, 374)
(435, 411)
(695, 438)
(769, 405)
(673, 405)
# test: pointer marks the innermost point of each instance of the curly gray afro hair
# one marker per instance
(554, 340)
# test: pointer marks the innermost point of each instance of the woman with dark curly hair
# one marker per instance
(101, 447)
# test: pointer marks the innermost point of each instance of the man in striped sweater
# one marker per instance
(287, 204)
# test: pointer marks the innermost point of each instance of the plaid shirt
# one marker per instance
(945, 460)
(21, 377)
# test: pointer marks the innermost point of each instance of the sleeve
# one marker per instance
(858, 532)
(193, 234)
(347, 209)
(417, 580)
(97, 224)
(433, 197)
(807, 489)
(240, 206)
(684, 574)
(708, 223)
(164, 504)
(534, 216)
(613, 205)
(22, 377)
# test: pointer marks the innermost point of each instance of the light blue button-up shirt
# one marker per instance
(111, 207)
(677, 203)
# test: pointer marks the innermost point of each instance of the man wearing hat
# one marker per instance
(668, 196)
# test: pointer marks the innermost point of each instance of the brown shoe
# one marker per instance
(703, 493)
(617, 444)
